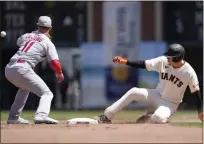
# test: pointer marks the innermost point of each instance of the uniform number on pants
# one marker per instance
(27, 46)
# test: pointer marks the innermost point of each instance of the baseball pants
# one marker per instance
(161, 109)
(23, 77)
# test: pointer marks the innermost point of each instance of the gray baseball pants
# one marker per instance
(24, 77)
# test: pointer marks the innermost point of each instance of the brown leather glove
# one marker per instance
(120, 60)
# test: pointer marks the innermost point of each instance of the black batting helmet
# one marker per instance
(176, 52)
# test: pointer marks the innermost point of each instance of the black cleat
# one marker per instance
(102, 119)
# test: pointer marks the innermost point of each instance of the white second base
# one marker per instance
(82, 121)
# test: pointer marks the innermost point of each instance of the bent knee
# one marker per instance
(48, 94)
(137, 94)
(134, 90)
(155, 118)
(138, 91)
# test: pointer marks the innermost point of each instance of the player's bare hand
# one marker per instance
(120, 60)
(200, 116)
(60, 77)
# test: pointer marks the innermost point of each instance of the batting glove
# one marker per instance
(120, 60)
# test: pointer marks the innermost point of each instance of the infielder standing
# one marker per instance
(175, 75)
(34, 48)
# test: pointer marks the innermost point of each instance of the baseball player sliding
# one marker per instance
(175, 75)
(34, 48)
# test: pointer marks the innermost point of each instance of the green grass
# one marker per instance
(128, 114)
(185, 115)
(64, 115)
(60, 115)
(123, 115)
(188, 124)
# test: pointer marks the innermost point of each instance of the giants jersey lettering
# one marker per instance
(34, 48)
(173, 82)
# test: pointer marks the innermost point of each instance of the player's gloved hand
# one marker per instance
(60, 77)
(120, 60)
(200, 116)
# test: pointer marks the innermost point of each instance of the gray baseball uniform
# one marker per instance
(164, 100)
(34, 48)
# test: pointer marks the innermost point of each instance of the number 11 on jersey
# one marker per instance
(27, 46)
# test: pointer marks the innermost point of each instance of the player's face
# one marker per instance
(170, 60)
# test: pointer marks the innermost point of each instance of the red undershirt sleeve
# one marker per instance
(56, 66)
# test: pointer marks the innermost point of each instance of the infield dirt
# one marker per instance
(99, 133)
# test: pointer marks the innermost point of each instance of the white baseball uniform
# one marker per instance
(34, 48)
(165, 99)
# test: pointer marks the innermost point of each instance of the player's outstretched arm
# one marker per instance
(56, 66)
(195, 91)
(54, 61)
(199, 104)
(135, 64)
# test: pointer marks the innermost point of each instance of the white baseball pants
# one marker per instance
(23, 76)
(161, 109)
